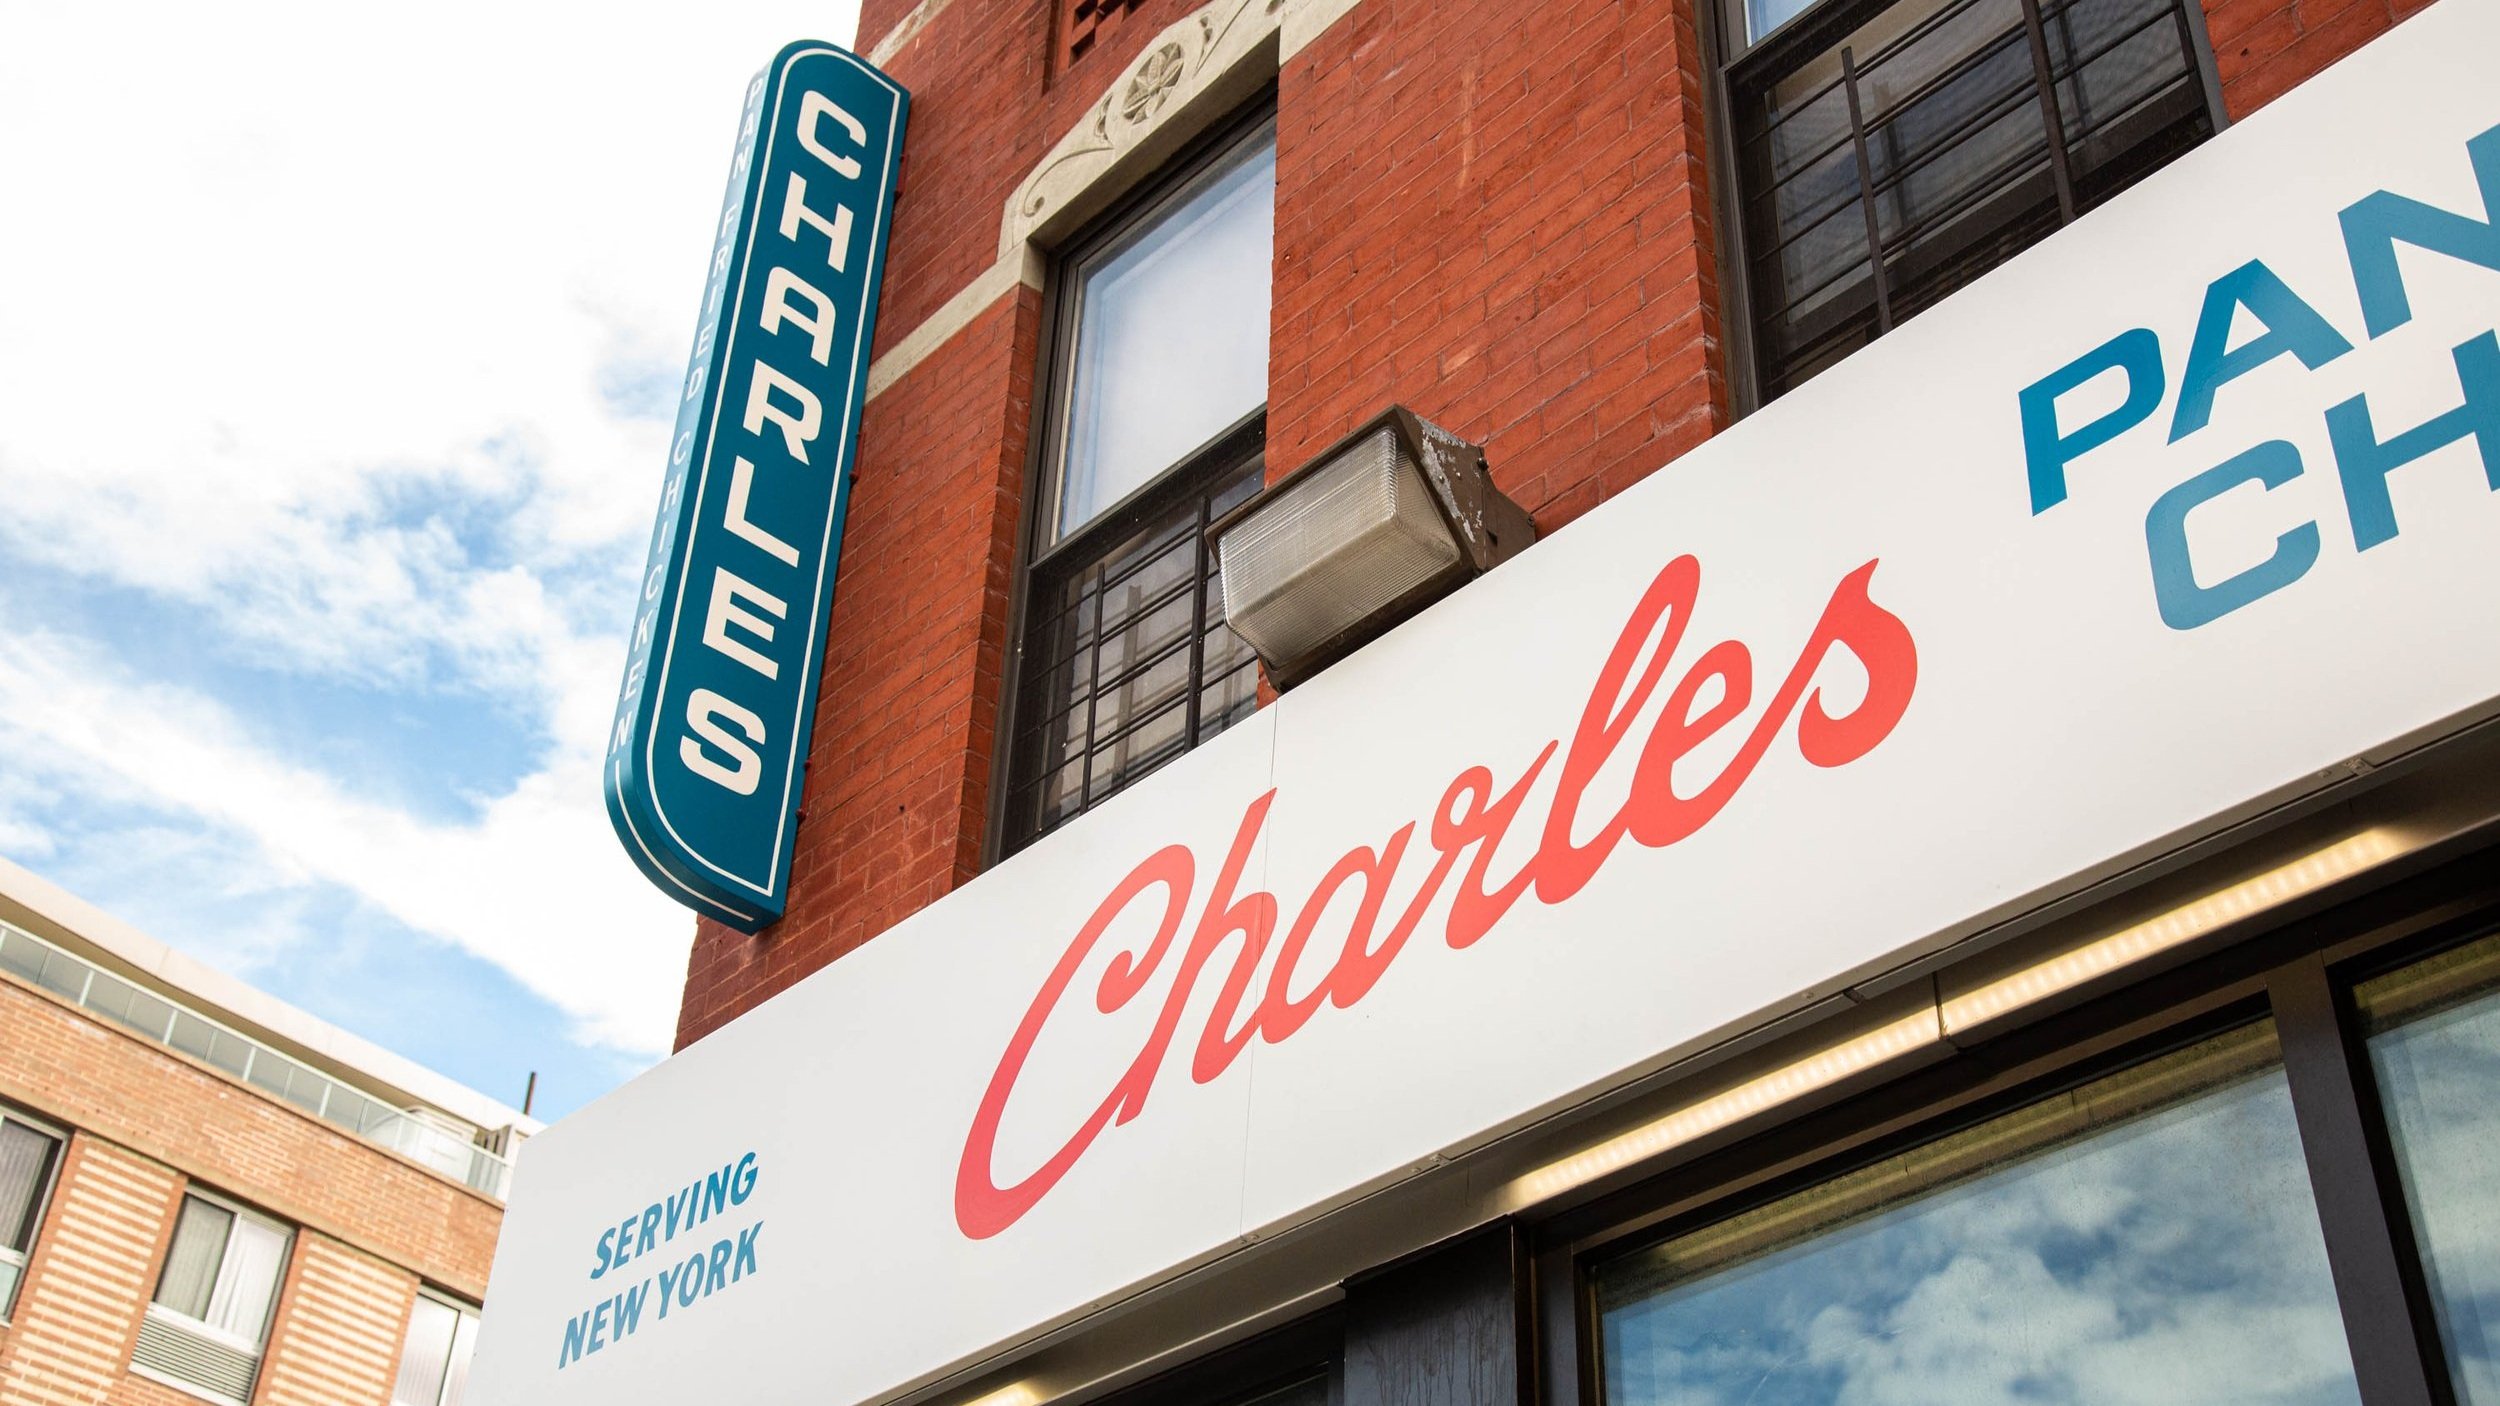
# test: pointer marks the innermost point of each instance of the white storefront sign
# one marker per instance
(2195, 503)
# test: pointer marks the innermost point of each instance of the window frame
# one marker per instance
(468, 1314)
(2301, 973)
(1035, 553)
(1729, 57)
(41, 1207)
(1245, 1372)
(277, 1290)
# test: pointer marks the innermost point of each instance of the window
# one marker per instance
(29, 1158)
(1155, 427)
(214, 1300)
(2260, 1176)
(1299, 1364)
(2435, 1046)
(1310, 1391)
(1887, 154)
(2146, 1237)
(434, 1366)
(433, 1139)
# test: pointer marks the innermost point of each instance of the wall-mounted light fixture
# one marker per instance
(1390, 519)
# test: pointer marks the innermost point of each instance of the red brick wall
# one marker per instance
(1504, 226)
(984, 111)
(71, 1068)
(896, 798)
(1498, 217)
(897, 790)
(2265, 48)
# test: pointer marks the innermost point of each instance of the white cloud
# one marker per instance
(314, 318)
(293, 262)
(2170, 1258)
(536, 885)
(21, 836)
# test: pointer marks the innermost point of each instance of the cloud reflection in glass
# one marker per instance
(2147, 1238)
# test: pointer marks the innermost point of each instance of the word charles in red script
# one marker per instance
(1469, 824)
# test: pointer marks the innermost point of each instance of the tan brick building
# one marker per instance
(206, 1194)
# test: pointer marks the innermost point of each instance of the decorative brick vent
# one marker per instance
(1083, 23)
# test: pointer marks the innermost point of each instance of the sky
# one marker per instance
(334, 355)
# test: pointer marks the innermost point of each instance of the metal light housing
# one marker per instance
(1390, 519)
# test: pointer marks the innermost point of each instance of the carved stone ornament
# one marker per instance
(1156, 78)
(1181, 62)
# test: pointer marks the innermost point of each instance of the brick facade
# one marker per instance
(145, 1122)
(897, 789)
(342, 1320)
(2265, 48)
(71, 1068)
(1568, 324)
(1500, 218)
(88, 1280)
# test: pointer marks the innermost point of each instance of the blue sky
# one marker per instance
(333, 353)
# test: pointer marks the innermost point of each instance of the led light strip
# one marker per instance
(2182, 924)
(1961, 1013)
(1786, 1084)
(1012, 1394)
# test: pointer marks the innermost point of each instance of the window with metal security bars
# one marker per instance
(1886, 156)
(1128, 662)
(1155, 427)
(1085, 23)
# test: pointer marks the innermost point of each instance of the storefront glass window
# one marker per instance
(1310, 1391)
(2435, 1045)
(2149, 1237)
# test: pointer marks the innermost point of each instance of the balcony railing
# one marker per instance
(413, 1135)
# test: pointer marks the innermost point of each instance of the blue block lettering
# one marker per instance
(2377, 222)
(2135, 353)
(2185, 604)
(2364, 461)
(629, 1308)
(2291, 326)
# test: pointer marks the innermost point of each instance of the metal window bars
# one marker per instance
(1128, 660)
(432, 1142)
(1892, 164)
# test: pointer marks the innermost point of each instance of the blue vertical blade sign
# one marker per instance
(709, 750)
